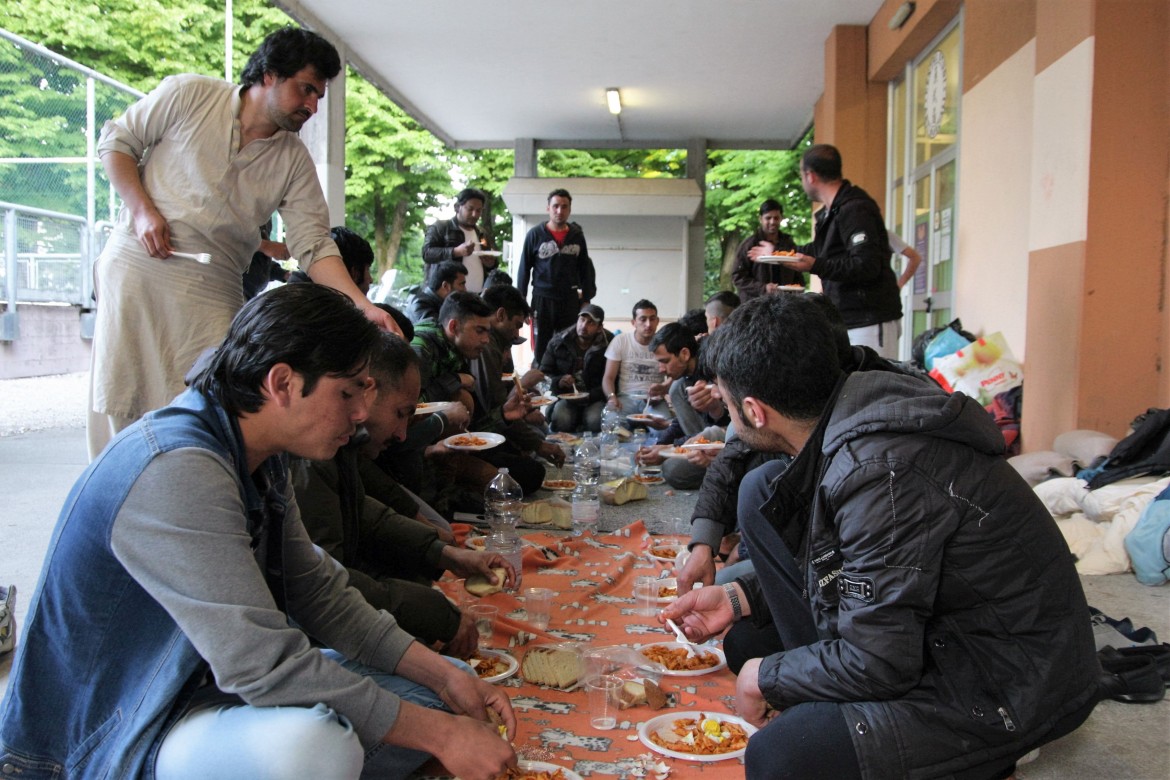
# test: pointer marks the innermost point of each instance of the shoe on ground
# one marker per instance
(1159, 653)
(7, 619)
(1132, 679)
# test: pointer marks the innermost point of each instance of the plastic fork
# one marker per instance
(202, 257)
(678, 632)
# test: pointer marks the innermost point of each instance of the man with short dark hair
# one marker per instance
(916, 583)
(392, 559)
(753, 278)
(719, 307)
(554, 257)
(445, 348)
(447, 277)
(460, 239)
(173, 631)
(633, 378)
(199, 165)
(574, 362)
(850, 252)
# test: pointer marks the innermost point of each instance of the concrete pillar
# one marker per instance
(324, 135)
(697, 225)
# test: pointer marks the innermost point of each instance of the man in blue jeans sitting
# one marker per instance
(175, 630)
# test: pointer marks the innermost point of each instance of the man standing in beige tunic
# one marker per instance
(200, 164)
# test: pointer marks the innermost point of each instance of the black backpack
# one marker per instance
(918, 348)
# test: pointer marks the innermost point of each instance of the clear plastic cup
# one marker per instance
(484, 616)
(646, 595)
(603, 700)
(538, 606)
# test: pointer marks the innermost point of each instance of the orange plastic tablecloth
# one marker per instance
(593, 579)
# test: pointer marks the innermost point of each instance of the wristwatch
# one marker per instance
(733, 597)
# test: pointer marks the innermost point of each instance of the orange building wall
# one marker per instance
(851, 114)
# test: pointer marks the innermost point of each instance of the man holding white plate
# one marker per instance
(460, 239)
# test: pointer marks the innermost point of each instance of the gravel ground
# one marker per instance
(39, 403)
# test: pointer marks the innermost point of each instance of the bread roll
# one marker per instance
(478, 584)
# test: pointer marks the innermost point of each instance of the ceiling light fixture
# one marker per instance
(901, 15)
(614, 99)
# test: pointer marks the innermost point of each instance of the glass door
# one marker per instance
(923, 179)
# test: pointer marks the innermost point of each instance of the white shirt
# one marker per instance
(639, 367)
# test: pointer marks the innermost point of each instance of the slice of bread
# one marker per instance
(478, 585)
(634, 693)
(555, 667)
(655, 696)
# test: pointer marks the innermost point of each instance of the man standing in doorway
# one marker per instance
(850, 252)
(556, 260)
(460, 239)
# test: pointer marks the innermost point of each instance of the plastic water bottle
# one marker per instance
(587, 462)
(586, 509)
(608, 444)
(610, 420)
(502, 501)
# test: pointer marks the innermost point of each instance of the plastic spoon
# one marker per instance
(202, 257)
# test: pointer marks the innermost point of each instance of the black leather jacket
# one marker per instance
(953, 627)
(852, 251)
(561, 355)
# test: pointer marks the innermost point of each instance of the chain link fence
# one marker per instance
(55, 199)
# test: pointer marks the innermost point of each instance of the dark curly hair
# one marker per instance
(286, 52)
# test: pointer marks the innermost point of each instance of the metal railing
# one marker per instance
(56, 197)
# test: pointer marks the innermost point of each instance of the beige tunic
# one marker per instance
(156, 316)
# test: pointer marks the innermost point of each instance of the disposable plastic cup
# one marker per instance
(603, 700)
(484, 616)
(538, 605)
(646, 595)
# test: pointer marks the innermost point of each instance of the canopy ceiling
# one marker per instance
(739, 73)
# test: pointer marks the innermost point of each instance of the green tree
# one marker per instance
(395, 171)
(737, 183)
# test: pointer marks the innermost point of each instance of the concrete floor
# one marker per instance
(1118, 742)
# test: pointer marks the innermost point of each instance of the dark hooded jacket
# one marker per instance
(951, 619)
(852, 251)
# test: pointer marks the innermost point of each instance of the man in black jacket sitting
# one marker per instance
(930, 617)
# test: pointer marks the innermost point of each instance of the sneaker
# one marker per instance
(7, 619)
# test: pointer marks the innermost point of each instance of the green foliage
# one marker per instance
(395, 170)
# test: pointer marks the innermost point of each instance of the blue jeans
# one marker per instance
(220, 736)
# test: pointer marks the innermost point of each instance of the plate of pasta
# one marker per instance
(493, 666)
(697, 736)
(539, 770)
(674, 658)
(473, 442)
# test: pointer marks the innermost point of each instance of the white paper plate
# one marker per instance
(488, 253)
(430, 407)
(666, 720)
(564, 438)
(700, 649)
(513, 665)
(668, 582)
(672, 453)
(573, 396)
(664, 558)
(778, 260)
(713, 445)
(559, 488)
(641, 418)
(491, 439)
(475, 543)
(541, 400)
(649, 481)
(544, 766)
